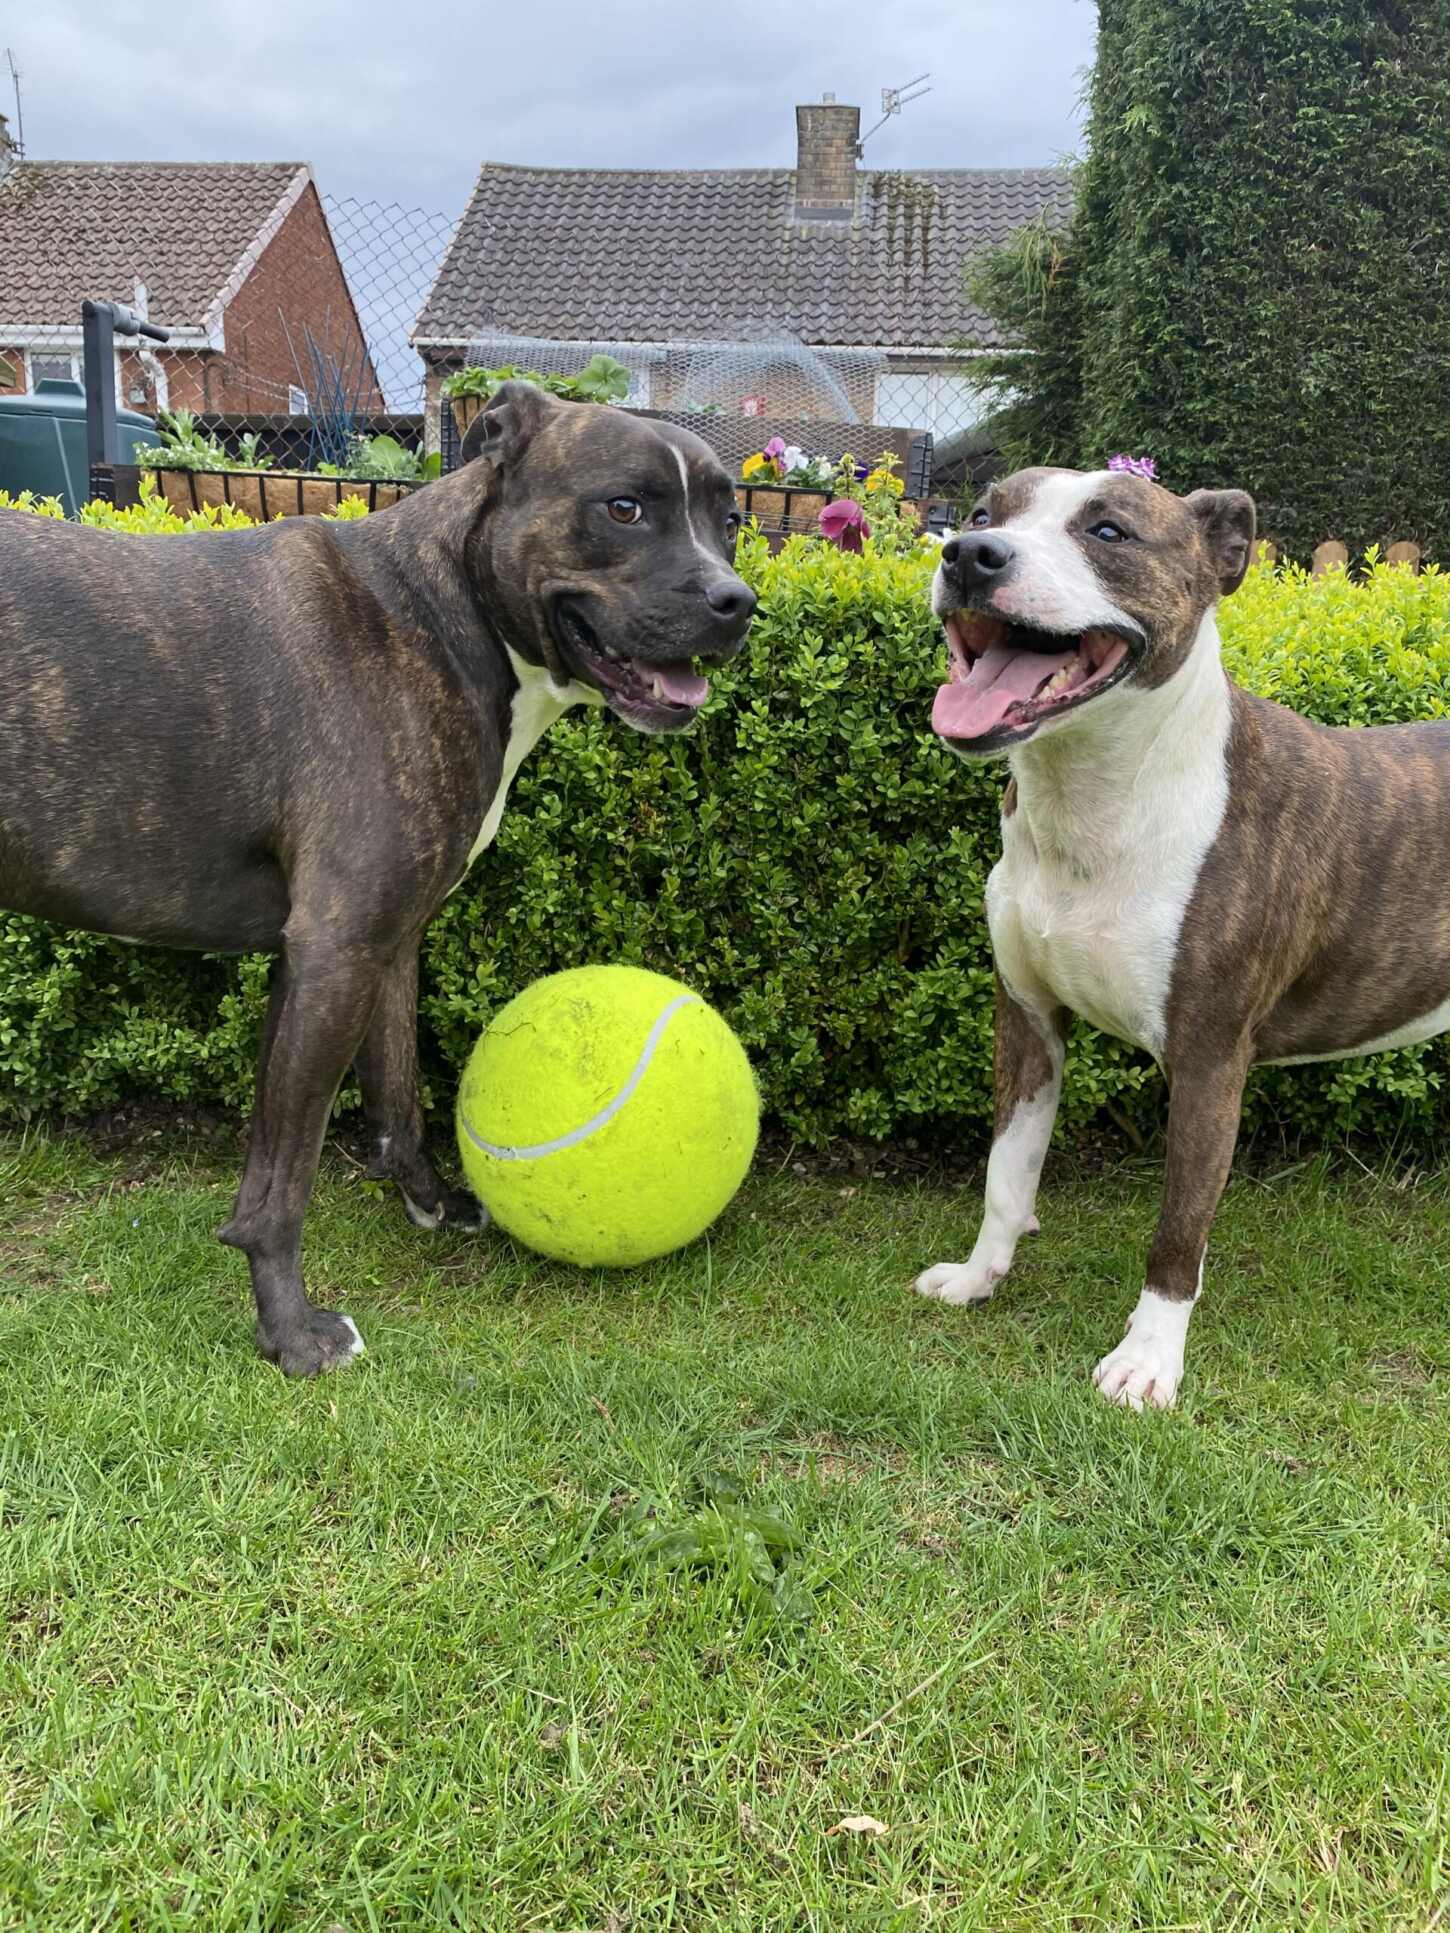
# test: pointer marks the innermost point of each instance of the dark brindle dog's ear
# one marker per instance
(1226, 518)
(508, 423)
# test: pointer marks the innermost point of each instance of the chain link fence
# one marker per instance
(309, 357)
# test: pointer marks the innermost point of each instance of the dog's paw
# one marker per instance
(320, 1341)
(457, 1212)
(971, 1281)
(1145, 1368)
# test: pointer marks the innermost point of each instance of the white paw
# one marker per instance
(1142, 1369)
(1147, 1365)
(429, 1218)
(971, 1281)
(358, 1345)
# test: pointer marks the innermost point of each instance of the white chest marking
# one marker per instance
(537, 704)
(1117, 807)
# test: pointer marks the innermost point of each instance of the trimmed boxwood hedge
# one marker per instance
(809, 858)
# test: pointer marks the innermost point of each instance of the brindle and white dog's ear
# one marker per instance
(508, 423)
(1227, 520)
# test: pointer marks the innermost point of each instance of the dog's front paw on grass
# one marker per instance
(960, 1282)
(320, 1341)
(455, 1212)
(1143, 1371)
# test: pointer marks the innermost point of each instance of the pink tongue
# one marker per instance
(1000, 679)
(678, 683)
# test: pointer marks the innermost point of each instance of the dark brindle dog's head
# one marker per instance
(608, 555)
(1068, 585)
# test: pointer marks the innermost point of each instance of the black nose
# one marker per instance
(976, 557)
(731, 600)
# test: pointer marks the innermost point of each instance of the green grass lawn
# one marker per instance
(387, 1650)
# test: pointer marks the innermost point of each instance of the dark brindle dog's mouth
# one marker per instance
(660, 695)
(1006, 679)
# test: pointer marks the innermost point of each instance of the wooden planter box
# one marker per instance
(267, 494)
(464, 409)
(778, 507)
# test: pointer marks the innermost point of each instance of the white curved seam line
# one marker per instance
(605, 1114)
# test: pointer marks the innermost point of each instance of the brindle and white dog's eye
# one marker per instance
(625, 510)
(1109, 533)
(980, 518)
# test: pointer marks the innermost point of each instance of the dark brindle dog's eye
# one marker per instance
(625, 510)
(1109, 533)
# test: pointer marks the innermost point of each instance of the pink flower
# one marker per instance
(775, 448)
(1137, 466)
(843, 523)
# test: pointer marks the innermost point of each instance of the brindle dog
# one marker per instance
(1191, 868)
(294, 740)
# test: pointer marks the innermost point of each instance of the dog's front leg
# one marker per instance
(1203, 1122)
(323, 994)
(1027, 1067)
(387, 1071)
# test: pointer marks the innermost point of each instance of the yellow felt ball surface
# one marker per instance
(607, 1116)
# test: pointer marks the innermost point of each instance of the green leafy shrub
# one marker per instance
(185, 445)
(385, 459)
(1032, 382)
(1253, 290)
(809, 857)
(603, 379)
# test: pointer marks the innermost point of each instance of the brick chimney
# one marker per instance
(827, 147)
(7, 148)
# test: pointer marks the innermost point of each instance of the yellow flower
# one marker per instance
(883, 480)
(753, 465)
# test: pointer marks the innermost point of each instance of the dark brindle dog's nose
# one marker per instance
(976, 558)
(732, 601)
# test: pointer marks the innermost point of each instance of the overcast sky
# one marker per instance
(401, 103)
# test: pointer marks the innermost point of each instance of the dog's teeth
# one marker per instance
(1060, 679)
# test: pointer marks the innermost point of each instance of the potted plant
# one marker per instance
(601, 380)
(193, 470)
(805, 486)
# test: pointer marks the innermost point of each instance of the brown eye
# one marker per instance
(625, 510)
(979, 518)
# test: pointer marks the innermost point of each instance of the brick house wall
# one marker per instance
(297, 278)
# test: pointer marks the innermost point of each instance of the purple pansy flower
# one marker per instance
(843, 523)
(1136, 466)
(774, 449)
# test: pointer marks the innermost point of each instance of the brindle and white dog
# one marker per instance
(1191, 868)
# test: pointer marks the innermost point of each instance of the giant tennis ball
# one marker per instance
(607, 1116)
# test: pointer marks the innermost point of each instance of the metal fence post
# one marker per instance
(101, 323)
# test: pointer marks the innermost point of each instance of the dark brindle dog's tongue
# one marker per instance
(1001, 678)
(679, 682)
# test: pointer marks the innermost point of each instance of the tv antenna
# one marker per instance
(893, 99)
(19, 117)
